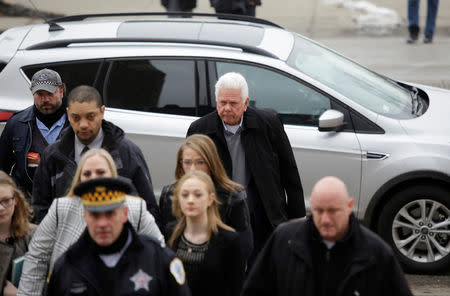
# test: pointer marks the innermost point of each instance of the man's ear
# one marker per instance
(102, 111)
(125, 214)
(246, 103)
(351, 203)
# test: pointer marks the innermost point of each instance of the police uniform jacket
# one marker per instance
(61, 228)
(145, 268)
(270, 159)
(57, 168)
(285, 265)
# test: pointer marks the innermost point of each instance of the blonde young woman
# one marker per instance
(198, 152)
(15, 230)
(64, 223)
(210, 250)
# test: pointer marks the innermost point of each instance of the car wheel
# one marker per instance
(416, 223)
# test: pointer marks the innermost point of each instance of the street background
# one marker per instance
(371, 32)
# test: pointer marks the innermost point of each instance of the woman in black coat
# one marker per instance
(199, 152)
(210, 250)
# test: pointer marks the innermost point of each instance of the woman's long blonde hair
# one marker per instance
(213, 216)
(20, 224)
(91, 152)
(204, 146)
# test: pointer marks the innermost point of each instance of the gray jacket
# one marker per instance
(10, 252)
(62, 227)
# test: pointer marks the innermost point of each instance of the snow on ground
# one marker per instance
(368, 17)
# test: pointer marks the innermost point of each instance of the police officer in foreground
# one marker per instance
(110, 258)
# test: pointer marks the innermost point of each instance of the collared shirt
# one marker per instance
(329, 244)
(97, 143)
(233, 128)
(52, 133)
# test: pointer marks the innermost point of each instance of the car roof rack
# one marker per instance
(179, 14)
(66, 42)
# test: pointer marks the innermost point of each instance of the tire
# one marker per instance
(416, 223)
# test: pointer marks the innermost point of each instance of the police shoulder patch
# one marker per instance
(177, 270)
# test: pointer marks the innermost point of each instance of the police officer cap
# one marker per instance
(103, 194)
(47, 80)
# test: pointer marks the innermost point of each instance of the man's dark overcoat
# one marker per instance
(285, 265)
(270, 159)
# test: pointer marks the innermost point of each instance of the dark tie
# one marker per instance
(86, 148)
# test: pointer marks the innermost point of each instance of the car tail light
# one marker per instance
(5, 115)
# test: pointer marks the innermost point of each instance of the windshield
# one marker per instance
(363, 86)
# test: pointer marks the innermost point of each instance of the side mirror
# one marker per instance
(331, 120)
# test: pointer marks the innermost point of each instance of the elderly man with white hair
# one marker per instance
(256, 153)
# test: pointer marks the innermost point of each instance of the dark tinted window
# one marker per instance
(163, 86)
(72, 74)
(295, 102)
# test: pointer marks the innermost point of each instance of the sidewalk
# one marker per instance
(312, 18)
(379, 46)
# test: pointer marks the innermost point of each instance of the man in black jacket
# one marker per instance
(28, 132)
(328, 254)
(88, 130)
(110, 258)
(256, 153)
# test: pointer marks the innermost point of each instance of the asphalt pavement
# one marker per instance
(380, 45)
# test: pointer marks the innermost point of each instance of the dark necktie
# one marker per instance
(86, 148)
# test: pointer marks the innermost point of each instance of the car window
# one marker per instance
(162, 86)
(72, 74)
(295, 102)
(363, 86)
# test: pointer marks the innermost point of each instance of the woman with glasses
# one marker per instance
(15, 230)
(210, 250)
(198, 152)
(64, 223)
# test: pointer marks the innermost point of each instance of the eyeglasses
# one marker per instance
(7, 202)
(196, 163)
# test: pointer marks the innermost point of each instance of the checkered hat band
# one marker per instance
(41, 82)
(103, 198)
